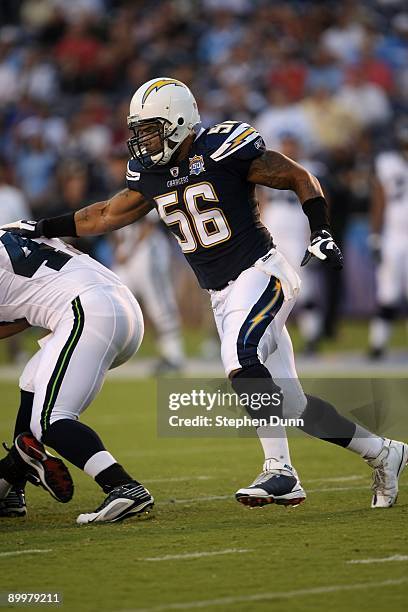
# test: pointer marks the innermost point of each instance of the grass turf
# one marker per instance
(104, 567)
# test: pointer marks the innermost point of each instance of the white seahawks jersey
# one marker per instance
(392, 171)
(40, 278)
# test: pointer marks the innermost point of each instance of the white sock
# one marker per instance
(98, 462)
(380, 331)
(274, 443)
(310, 324)
(171, 347)
(365, 443)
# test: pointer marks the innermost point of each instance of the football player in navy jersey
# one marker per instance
(202, 182)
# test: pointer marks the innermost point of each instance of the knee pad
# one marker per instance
(252, 384)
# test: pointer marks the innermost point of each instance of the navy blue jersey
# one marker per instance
(208, 203)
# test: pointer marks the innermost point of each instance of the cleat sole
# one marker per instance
(52, 473)
(259, 502)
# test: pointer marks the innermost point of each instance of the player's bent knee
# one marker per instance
(294, 399)
(254, 383)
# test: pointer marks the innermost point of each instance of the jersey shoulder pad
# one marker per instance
(234, 139)
(133, 173)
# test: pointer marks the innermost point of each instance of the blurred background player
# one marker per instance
(389, 240)
(142, 260)
(12, 200)
(281, 214)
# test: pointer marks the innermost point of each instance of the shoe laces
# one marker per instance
(380, 475)
(271, 468)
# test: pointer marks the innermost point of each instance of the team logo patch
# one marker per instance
(174, 172)
(196, 164)
(259, 144)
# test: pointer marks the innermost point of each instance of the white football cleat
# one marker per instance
(121, 503)
(388, 467)
(278, 483)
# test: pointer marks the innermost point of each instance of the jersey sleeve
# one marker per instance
(240, 146)
(133, 175)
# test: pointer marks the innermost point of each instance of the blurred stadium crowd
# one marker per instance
(333, 75)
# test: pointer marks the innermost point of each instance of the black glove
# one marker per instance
(27, 229)
(323, 247)
(374, 244)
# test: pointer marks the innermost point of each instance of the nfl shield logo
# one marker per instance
(196, 164)
(174, 172)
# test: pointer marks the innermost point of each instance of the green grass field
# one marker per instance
(266, 559)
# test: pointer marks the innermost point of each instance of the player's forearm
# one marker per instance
(120, 210)
(100, 218)
(93, 220)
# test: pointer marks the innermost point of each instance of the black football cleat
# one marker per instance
(122, 502)
(13, 505)
(43, 468)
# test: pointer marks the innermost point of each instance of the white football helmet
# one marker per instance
(163, 112)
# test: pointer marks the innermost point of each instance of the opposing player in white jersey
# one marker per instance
(389, 240)
(95, 324)
(142, 262)
(202, 181)
(281, 214)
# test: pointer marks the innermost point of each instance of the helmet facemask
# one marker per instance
(151, 144)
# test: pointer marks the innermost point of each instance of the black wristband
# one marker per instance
(317, 212)
(57, 227)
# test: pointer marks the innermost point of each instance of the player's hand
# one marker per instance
(374, 244)
(323, 247)
(27, 229)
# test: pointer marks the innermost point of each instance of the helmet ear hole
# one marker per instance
(180, 120)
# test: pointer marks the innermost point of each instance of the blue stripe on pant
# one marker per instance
(258, 319)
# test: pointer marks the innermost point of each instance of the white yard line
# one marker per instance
(33, 551)
(228, 601)
(193, 500)
(205, 498)
(335, 479)
(380, 560)
(198, 555)
(179, 479)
